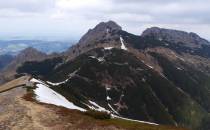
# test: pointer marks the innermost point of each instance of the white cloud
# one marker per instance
(27, 5)
(78, 5)
(75, 17)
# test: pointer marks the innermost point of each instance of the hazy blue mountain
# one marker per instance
(5, 60)
(13, 47)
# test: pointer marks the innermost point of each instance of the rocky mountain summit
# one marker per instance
(100, 31)
(105, 34)
(175, 36)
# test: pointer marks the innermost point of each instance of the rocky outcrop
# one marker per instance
(105, 34)
(99, 32)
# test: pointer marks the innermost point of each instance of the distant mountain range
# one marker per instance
(162, 76)
(5, 60)
(13, 47)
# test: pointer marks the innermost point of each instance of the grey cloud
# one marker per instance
(134, 15)
(27, 5)
(168, 11)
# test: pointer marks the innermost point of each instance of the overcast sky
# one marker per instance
(72, 18)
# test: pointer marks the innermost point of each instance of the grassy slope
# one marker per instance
(117, 123)
(183, 109)
(80, 120)
(14, 83)
(193, 82)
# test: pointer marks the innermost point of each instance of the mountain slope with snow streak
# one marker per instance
(123, 45)
(156, 80)
(46, 95)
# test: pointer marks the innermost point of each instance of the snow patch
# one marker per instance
(97, 107)
(113, 109)
(151, 67)
(33, 80)
(134, 120)
(65, 81)
(93, 57)
(100, 59)
(160, 39)
(107, 30)
(101, 109)
(123, 45)
(108, 98)
(142, 61)
(108, 48)
(57, 84)
(179, 68)
(46, 95)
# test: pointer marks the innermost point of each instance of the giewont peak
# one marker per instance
(99, 31)
(107, 25)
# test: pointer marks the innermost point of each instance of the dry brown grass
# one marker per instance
(14, 83)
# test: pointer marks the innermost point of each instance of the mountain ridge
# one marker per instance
(175, 36)
(156, 80)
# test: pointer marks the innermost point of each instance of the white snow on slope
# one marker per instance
(108, 48)
(179, 68)
(108, 89)
(114, 116)
(100, 59)
(57, 84)
(151, 67)
(33, 80)
(46, 95)
(63, 82)
(97, 107)
(123, 45)
(107, 30)
(108, 98)
(160, 39)
(113, 109)
(49, 96)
